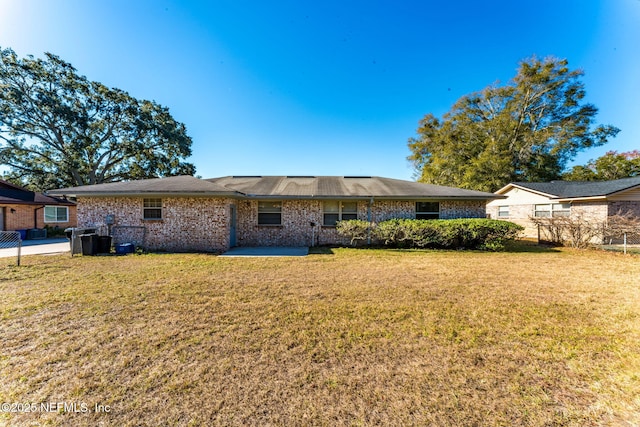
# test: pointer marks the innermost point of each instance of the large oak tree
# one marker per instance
(525, 130)
(59, 129)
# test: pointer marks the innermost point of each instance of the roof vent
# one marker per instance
(300, 176)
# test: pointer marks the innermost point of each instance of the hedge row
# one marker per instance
(484, 234)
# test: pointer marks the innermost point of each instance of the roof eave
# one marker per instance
(46, 203)
(152, 194)
(580, 199)
(370, 196)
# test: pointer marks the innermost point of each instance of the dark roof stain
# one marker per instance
(342, 186)
(303, 187)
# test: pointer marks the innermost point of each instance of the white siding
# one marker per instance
(518, 196)
(629, 195)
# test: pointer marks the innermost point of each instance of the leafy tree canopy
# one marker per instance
(526, 130)
(612, 165)
(59, 129)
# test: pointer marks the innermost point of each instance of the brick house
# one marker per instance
(593, 200)
(21, 209)
(185, 213)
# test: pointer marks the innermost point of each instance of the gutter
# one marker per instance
(345, 197)
(239, 195)
(581, 199)
(158, 194)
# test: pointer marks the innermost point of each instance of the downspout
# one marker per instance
(369, 221)
(35, 217)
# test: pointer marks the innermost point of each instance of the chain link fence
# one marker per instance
(627, 242)
(618, 233)
(11, 239)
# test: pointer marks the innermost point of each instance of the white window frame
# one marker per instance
(552, 210)
(503, 211)
(152, 204)
(429, 214)
(342, 215)
(542, 210)
(263, 210)
(56, 216)
(560, 209)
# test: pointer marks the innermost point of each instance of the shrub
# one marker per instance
(354, 229)
(582, 231)
(577, 230)
(484, 234)
(54, 231)
(390, 232)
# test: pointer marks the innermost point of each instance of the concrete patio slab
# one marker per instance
(266, 251)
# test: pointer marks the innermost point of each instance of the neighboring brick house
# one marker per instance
(592, 200)
(21, 209)
(185, 213)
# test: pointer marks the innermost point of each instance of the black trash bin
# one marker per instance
(89, 243)
(104, 244)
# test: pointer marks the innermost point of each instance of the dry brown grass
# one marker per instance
(357, 337)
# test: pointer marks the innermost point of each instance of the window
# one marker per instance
(561, 209)
(552, 210)
(56, 214)
(334, 211)
(269, 213)
(542, 211)
(152, 209)
(503, 211)
(427, 210)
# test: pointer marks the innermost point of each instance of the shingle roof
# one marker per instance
(11, 194)
(579, 189)
(342, 186)
(178, 185)
(303, 187)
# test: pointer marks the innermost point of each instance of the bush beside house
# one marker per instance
(467, 233)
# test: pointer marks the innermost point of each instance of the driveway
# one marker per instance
(266, 251)
(38, 247)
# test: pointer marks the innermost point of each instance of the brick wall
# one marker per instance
(462, 209)
(521, 214)
(518, 214)
(624, 207)
(297, 215)
(295, 229)
(596, 212)
(187, 224)
(23, 217)
(203, 224)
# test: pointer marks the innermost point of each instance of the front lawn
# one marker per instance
(341, 337)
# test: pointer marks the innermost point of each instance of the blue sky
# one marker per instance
(331, 87)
